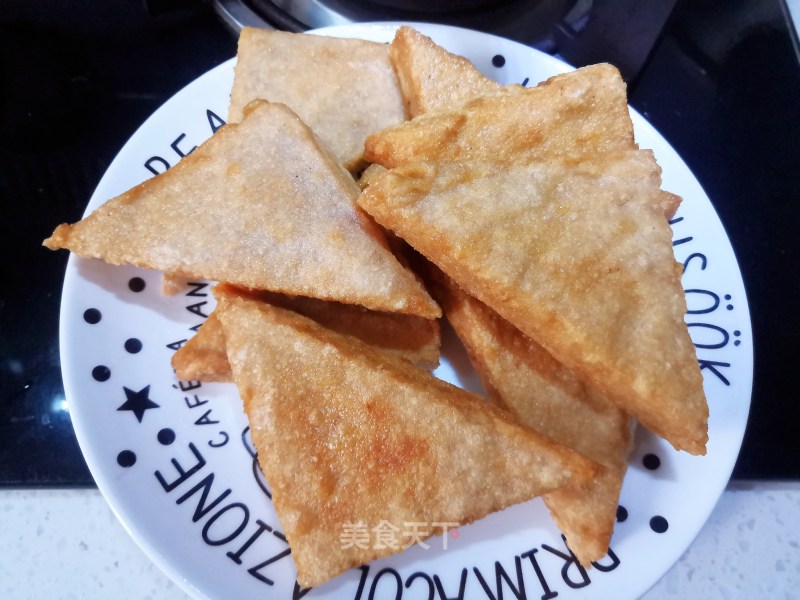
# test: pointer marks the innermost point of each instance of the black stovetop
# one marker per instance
(722, 85)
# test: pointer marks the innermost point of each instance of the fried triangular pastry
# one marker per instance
(522, 377)
(430, 77)
(417, 340)
(576, 254)
(433, 79)
(349, 437)
(172, 283)
(368, 174)
(581, 111)
(261, 204)
(345, 89)
(203, 356)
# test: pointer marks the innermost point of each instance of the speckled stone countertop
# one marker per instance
(68, 544)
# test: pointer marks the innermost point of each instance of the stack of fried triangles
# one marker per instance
(552, 260)
(348, 436)
(549, 226)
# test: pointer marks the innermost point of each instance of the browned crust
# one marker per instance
(300, 234)
(345, 89)
(417, 340)
(585, 110)
(430, 77)
(609, 317)
(526, 380)
(347, 434)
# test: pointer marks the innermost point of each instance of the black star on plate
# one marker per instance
(138, 402)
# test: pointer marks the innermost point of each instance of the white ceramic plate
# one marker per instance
(174, 460)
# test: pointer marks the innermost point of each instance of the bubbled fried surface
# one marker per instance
(203, 357)
(524, 378)
(345, 89)
(269, 208)
(577, 254)
(582, 111)
(430, 77)
(348, 435)
(417, 340)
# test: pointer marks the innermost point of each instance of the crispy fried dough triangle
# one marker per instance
(273, 210)
(203, 357)
(430, 77)
(433, 80)
(578, 256)
(417, 340)
(522, 377)
(581, 111)
(345, 89)
(369, 174)
(346, 435)
(172, 283)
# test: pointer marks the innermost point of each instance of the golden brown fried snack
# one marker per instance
(274, 211)
(417, 340)
(370, 173)
(433, 79)
(669, 203)
(582, 111)
(203, 357)
(430, 77)
(578, 256)
(344, 89)
(172, 284)
(347, 436)
(521, 376)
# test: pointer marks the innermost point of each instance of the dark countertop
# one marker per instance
(722, 86)
(78, 79)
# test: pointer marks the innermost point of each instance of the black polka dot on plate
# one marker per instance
(92, 316)
(136, 284)
(126, 459)
(133, 345)
(498, 60)
(166, 436)
(101, 373)
(659, 524)
(622, 514)
(651, 462)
